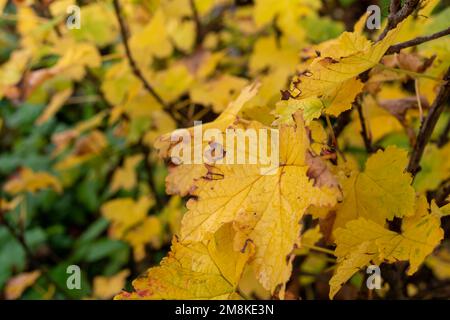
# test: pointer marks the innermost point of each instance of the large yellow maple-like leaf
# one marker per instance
(182, 176)
(382, 191)
(363, 241)
(195, 270)
(266, 209)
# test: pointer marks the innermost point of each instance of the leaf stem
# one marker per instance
(320, 249)
(410, 73)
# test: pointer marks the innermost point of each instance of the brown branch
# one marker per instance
(198, 24)
(341, 122)
(44, 10)
(416, 41)
(364, 131)
(427, 127)
(442, 193)
(394, 6)
(398, 16)
(132, 62)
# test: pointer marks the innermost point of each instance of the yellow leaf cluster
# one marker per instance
(130, 222)
(363, 241)
(28, 180)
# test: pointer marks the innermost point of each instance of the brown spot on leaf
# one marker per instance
(318, 171)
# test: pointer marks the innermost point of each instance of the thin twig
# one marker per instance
(401, 14)
(341, 122)
(334, 141)
(364, 131)
(132, 62)
(427, 127)
(416, 41)
(419, 101)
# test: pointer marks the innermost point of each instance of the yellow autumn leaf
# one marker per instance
(346, 44)
(261, 106)
(379, 120)
(181, 177)
(249, 286)
(31, 181)
(18, 284)
(379, 193)
(120, 84)
(332, 79)
(2, 5)
(435, 168)
(363, 241)
(63, 139)
(440, 264)
(172, 82)
(106, 287)
(99, 25)
(147, 231)
(267, 53)
(125, 213)
(172, 214)
(308, 239)
(6, 205)
(195, 270)
(86, 148)
(421, 233)
(125, 176)
(202, 63)
(11, 71)
(311, 107)
(152, 41)
(359, 257)
(33, 29)
(182, 33)
(162, 122)
(217, 92)
(56, 102)
(265, 208)
(319, 137)
(75, 58)
(287, 12)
